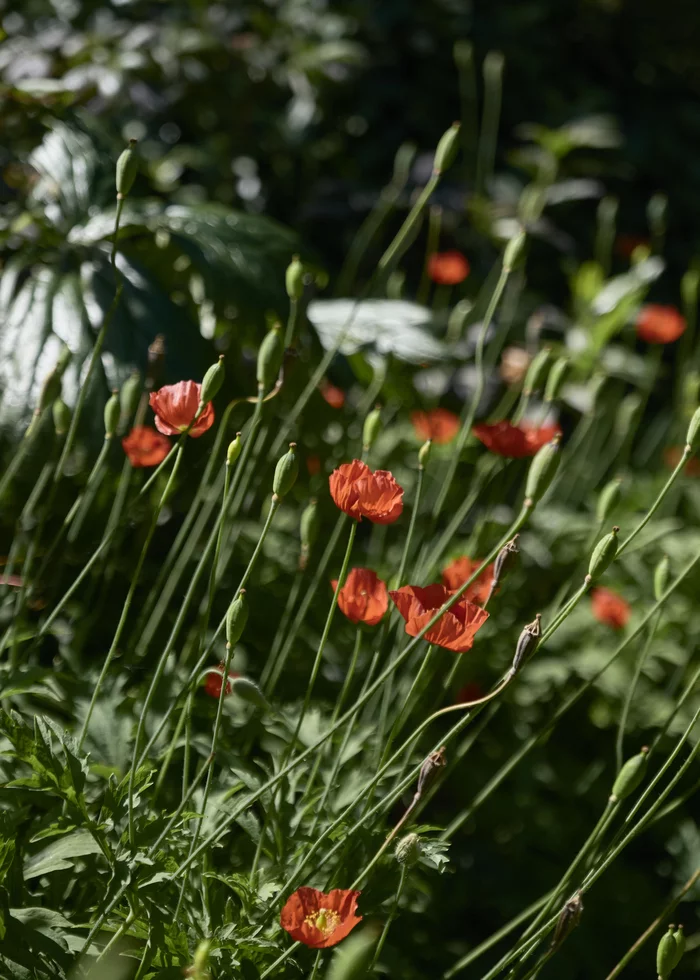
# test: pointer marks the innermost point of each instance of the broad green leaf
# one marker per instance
(59, 855)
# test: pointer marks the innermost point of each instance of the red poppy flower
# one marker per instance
(145, 447)
(448, 268)
(660, 324)
(215, 678)
(363, 598)
(515, 441)
(609, 608)
(440, 425)
(313, 464)
(319, 920)
(359, 492)
(672, 457)
(335, 397)
(458, 571)
(455, 630)
(176, 406)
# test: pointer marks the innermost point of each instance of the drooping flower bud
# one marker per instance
(527, 643)
(603, 554)
(111, 414)
(691, 438)
(212, 381)
(127, 168)
(666, 954)
(352, 958)
(270, 358)
(630, 776)
(569, 918)
(435, 761)
(236, 618)
(371, 428)
(286, 472)
(294, 278)
(446, 151)
(424, 454)
(408, 850)
(129, 398)
(249, 691)
(61, 417)
(309, 527)
(557, 377)
(679, 936)
(608, 499)
(542, 471)
(661, 577)
(537, 372)
(504, 561)
(234, 450)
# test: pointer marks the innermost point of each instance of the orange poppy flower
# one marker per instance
(660, 324)
(514, 441)
(440, 425)
(214, 680)
(363, 598)
(335, 397)
(359, 492)
(455, 630)
(672, 457)
(458, 571)
(176, 406)
(609, 608)
(319, 920)
(145, 447)
(448, 268)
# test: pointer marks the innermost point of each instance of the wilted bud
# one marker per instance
(212, 381)
(542, 470)
(691, 438)
(424, 454)
(408, 850)
(234, 450)
(294, 278)
(447, 149)
(666, 955)
(286, 472)
(527, 643)
(309, 527)
(536, 373)
(630, 776)
(679, 936)
(249, 691)
(569, 918)
(129, 397)
(351, 960)
(603, 554)
(61, 417)
(435, 761)
(270, 357)
(127, 168)
(504, 560)
(371, 428)
(557, 377)
(608, 499)
(513, 250)
(661, 578)
(111, 415)
(236, 618)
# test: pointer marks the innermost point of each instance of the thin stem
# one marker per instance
(390, 918)
(641, 660)
(488, 137)
(685, 456)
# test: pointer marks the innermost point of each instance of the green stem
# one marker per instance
(488, 137)
(390, 919)
(431, 247)
(641, 660)
(291, 604)
(687, 453)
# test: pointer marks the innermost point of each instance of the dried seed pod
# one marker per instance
(679, 936)
(661, 577)
(537, 372)
(691, 438)
(371, 428)
(630, 776)
(603, 554)
(111, 414)
(557, 377)
(608, 499)
(127, 168)
(505, 559)
(61, 417)
(286, 472)
(424, 454)
(270, 358)
(234, 450)
(249, 691)
(236, 618)
(666, 954)
(294, 278)
(446, 151)
(542, 471)
(435, 761)
(408, 850)
(569, 918)
(527, 643)
(212, 381)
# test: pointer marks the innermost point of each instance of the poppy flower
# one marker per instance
(458, 571)
(660, 324)
(440, 425)
(455, 630)
(313, 464)
(448, 268)
(672, 457)
(335, 397)
(176, 406)
(515, 441)
(215, 678)
(609, 608)
(359, 492)
(363, 598)
(145, 447)
(319, 920)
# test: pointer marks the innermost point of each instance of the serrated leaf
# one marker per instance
(59, 856)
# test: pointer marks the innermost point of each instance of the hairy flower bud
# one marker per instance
(286, 472)
(270, 358)
(446, 151)
(679, 936)
(236, 618)
(371, 428)
(557, 377)
(212, 381)
(127, 168)
(61, 417)
(527, 643)
(608, 499)
(234, 450)
(50, 389)
(408, 850)
(111, 415)
(424, 453)
(249, 691)
(661, 577)
(630, 776)
(537, 372)
(603, 554)
(691, 438)
(542, 471)
(294, 278)
(666, 954)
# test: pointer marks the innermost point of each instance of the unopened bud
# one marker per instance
(603, 554)
(270, 357)
(630, 776)
(661, 578)
(513, 251)
(51, 387)
(424, 454)
(608, 499)
(569, 918)
(61, 417)
(542, 471)
(679, 936)
(435, 761)
(236, 618)
(249, 691)
(527, 643)
(286, 472)
(111, 415)
(666, 954)
(127, 168)
(557, 378)
(693, 430)
(294, 278)
(408, 850)
(129, 397)
(212, 381)
(537, 372)
(371, 428)
(234, 450)
(446, 151)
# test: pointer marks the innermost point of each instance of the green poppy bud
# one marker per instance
(294, 278)
(51, 388)
(61, 417)
(408, 850)
(236, 618)
(446, 151)
(661, 578)
(630, 776)
(603, 554)
(270, 358)
(679, 936)
(200, 966)
(542, 470)
(310, 524)
(212, 381)
(536, 373)
(351, 960)
(234, 450)
(666, 954)
(112, 414)
(127, 168)
(513, 251)
(424, 454)
(286, 472)
(691, 438)
(249, 692)
(371, 428)
(557, 377)
(608, 499)
(129, 397)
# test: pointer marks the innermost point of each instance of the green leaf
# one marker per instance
(59, 855)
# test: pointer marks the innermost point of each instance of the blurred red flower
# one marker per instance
(455, 630)
(145, 447)
(472, 691)
(609, 608)
(514, 441)
(660, 324)
(363, 598)
(313, 464)
(458, 571)
(672, 457)
(335, 397)
(176, 406)
(359, 492)
(448, 268)
(439, 424)
(319, 920)
(215, 678)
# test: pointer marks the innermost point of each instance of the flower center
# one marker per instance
(325, 920)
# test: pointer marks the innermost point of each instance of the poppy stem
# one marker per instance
(641, 660)
(432, 244)
(390, 918)
(317, 963)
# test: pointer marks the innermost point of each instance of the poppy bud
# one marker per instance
(111, 415)
(236, 618)
(249, 692)
(542, 469)
(424, 454)
(431, 765)
(534, 379)
(504, 559)
(446, 149)
(691, 438)
(270, 357)
(679, 936)
(200, 967)
(408, 850)
(630, 776)
(212, 381)
(129, 396)
(294, 278)
(603, 554)
(557, 377)
(234, 450)
(569, 918)
(661, 578)
(371, 428)
(127, 168)
(351, 960)
(61, 417)
(513, 250)
(666, 954)
(309, 528)
(608, 499)
(286, 472)
(51, 388)
(527, 643)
